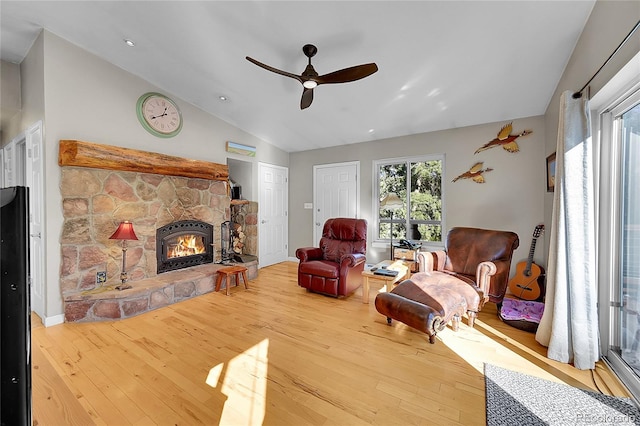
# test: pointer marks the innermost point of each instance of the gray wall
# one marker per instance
(10, 101)
(608, 24)
(510, 199)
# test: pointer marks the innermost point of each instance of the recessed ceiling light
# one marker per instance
(223, 98)
(129, 42)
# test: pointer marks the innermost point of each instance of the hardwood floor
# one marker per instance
(277, 355)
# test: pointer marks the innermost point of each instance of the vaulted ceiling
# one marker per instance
(442, 64)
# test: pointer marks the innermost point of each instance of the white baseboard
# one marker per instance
(54, 320)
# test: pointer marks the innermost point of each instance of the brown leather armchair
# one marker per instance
(479, 257)
(335, 268)
(472, 270)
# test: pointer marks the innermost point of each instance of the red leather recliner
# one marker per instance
(335, 268)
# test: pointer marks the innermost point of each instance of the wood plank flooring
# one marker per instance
(277, 355)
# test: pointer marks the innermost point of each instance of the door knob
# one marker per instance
(263, 221)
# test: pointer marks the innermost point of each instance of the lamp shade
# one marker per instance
(124, 232)
(391, 202)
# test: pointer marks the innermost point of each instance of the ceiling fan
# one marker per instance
(310, 78)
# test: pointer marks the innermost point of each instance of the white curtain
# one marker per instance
(569, 325)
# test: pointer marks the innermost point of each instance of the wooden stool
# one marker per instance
(227, 272)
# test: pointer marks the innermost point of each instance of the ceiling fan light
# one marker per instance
(310, 84)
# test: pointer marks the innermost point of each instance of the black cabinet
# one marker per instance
(15, 322)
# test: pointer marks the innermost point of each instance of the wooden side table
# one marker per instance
(226, 273)
(409, 256)
(388, 282)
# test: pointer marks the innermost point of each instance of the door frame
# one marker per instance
(9, 161)
(1, 167)
(317, 230)
(34, 141)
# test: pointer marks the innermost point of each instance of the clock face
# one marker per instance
(159, 115)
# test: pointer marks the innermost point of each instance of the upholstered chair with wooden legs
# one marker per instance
(472, 270)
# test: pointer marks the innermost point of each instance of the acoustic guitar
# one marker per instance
(528, 281)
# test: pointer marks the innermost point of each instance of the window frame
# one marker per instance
(384, 242)
(608, 106)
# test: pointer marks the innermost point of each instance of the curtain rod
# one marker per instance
(578, 94)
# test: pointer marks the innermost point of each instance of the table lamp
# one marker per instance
(124, 232)
(391, 202)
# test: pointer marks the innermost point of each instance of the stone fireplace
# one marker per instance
(163, 207)
(184, 244)
(95, 201)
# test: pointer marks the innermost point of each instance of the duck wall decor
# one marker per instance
(475, 173)
(505, 139)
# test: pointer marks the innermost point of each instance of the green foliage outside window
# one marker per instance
(422, 192)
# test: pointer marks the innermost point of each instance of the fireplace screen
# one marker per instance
(184, 244)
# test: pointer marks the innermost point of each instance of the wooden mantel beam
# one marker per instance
(98, 156)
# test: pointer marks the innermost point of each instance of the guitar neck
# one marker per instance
(532, 250)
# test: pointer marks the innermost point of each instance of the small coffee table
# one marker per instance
(387, 281)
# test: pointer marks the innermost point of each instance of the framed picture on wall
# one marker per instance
(551, 172)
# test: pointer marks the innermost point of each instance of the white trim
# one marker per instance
(54, 320)
(625, 82)
(375, 199)
(1, 167)
(618, 95)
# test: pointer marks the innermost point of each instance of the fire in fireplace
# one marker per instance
(184, 244)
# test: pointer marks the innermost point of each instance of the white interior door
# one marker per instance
(335, 193)
(34, 165)
(273, 227)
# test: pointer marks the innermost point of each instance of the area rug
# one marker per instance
(518, 399)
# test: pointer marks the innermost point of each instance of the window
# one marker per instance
(629, 271)
(418, 183)
(619, 246)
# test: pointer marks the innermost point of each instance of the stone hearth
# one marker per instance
(106, 303)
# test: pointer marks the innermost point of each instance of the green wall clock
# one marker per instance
(159, 115)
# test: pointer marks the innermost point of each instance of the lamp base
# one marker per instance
(123, 277)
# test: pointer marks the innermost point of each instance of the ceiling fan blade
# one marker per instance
(348, 74)
(307, 98)
(272, 69)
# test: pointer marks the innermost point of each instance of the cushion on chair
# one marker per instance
(466, 247)
(321, 268)
(418, 304)
(439, 285)
(343, 236)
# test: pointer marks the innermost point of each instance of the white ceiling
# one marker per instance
(442, 64)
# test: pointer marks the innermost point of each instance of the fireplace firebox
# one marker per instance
(184, 244)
